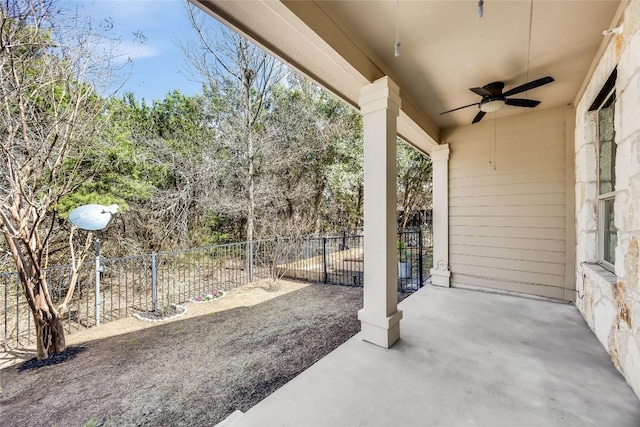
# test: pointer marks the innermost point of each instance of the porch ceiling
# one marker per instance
(446, 49)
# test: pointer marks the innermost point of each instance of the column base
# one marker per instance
(440, 278)
(381, 331)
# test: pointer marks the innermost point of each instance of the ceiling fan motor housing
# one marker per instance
(494, 88)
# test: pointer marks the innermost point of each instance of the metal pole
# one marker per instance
(154, 281)
(250, 261)
(97, 280)
(324, 259)
(420, 258)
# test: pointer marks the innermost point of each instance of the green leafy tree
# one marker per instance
(183, 144)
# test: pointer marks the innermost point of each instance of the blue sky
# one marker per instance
(158, 64)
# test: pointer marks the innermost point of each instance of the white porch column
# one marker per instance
(380, 318)
(440, 273)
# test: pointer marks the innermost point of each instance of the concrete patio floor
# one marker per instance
(466, 358)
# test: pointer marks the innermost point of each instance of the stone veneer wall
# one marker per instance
(610, 303)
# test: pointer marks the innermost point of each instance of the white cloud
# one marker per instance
(130, 50)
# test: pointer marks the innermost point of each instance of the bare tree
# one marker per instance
(240, 77)
(414, 182)
(48, 122)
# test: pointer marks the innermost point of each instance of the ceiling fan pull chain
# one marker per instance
(397, 45)
(495, 141)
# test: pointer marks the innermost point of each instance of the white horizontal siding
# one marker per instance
(508, 263)
(531, 221)
(507, 225)
(518, 232)
(510, 286)
(546, 279)
(497, 178)
(510, 210)
(532, 188)
(508, 243)
(506, 254)
(536, 199)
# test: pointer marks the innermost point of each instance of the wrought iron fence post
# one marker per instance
(324, 260)
(420, 260)
(154, 281)
(250, 261)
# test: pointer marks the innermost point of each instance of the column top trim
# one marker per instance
(383, 93)
(441, 152)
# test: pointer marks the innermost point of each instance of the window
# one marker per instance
(607, 232)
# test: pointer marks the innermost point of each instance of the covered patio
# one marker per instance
(539, 202)
(465, 358)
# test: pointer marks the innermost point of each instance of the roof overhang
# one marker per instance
(446, 49)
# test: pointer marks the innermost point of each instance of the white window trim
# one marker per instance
(603, 197)
(601, 227)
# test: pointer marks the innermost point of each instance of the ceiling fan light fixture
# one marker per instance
(492, 106)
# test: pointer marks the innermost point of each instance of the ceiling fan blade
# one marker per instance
(519, 102)
(528, 86)
(480, 91)
(460, 108)
(478, 117)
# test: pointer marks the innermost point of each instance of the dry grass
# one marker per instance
(194, 370)
(247, 295)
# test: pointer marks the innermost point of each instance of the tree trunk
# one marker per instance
(50, 335)
(317, 203)
(251, 211)
(357, 219)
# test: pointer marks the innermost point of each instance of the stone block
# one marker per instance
(587, 217)
(586, 246)
(621, 250)
(630, 60)
(635, 154)
(631, 261)
(623, 164)
(634, 204)
(587, 301)
(588, 192)
(628, 109)
(579, 192)
(621, 210)
(584, 129)
(586, 163)
(604, 317)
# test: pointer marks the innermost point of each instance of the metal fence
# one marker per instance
(149, 282)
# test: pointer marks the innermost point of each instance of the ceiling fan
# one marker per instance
(493, 98)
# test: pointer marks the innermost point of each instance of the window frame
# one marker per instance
(602, 230)
(606, 98)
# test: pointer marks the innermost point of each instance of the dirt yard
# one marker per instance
(190, 371)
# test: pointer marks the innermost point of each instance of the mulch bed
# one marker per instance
(192, 372)
(174, 310)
